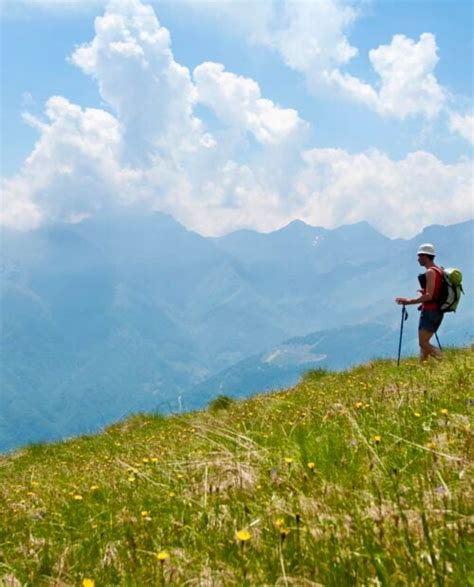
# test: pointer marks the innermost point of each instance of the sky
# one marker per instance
(238, 114)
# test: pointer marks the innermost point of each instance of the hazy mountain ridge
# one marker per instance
(282, 365)
(125, 313)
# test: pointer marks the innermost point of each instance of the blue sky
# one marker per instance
(237, 114)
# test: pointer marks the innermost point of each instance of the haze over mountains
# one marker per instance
(131, 312)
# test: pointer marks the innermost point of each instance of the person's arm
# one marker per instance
(427, 296)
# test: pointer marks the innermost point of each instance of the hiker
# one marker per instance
(431, 316)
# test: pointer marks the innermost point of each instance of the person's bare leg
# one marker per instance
(426, 348)
(423, 355)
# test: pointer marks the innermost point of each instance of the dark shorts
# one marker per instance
(430, 320)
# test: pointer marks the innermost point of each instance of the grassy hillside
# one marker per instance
(354, 478)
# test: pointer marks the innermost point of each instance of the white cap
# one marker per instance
(426, 249)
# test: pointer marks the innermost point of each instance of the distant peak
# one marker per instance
(297, 222)
(299, 226)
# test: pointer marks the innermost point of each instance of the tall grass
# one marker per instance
(355, 478)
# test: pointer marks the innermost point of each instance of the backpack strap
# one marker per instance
(438, 283)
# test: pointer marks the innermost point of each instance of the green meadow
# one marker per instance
(355, 478)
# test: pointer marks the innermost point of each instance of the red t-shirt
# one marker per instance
(433, 305)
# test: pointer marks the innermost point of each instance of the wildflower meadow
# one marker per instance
(356, 478)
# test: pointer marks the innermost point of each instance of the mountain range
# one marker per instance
(131, 312)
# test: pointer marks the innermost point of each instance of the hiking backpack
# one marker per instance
(450, 290)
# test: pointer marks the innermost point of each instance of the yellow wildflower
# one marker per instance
(78, 497)
(444, 411)
(243, 535)
(154, 459)
(163, 555)
(144, 514)
(145, 460)
(311, 466)
(358, 405)
(288, 460)
(279, 522)
(431, 445)
(417, 415)
(377, 438)
(94, 487)
(88, 583)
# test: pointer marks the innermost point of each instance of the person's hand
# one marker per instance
(401, 301)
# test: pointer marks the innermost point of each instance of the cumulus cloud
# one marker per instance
(131, 59)
(161, 153)
(237, 102)
(312, 37)
(463, 125)
(157, 152)
(397, 197)
(73, 168)
(407, 84)
(331, 187)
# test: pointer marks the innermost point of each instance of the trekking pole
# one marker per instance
(437, 340)
(404, 317)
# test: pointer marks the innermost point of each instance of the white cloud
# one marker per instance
(330, 187)
(75, 170)
(72, 170)
(152, 95)
(463, 125)
(397, 197)
(154, 148)
(310, 35)
(17, 210)
(232, 196)
(407, 84)
(237, 102)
